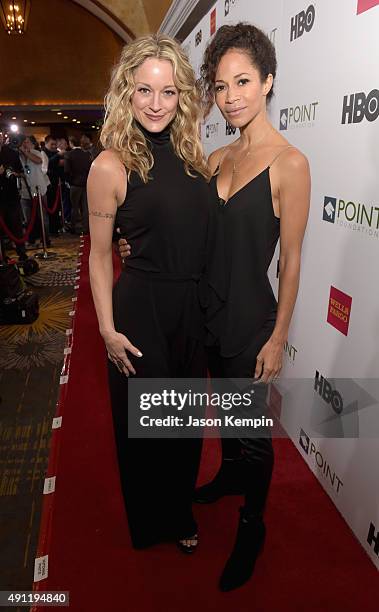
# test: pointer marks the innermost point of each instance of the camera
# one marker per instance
(11, 174)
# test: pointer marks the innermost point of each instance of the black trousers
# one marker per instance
(252, 457)
(79, 208)
(157, 476)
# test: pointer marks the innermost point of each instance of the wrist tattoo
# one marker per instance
(104, 215)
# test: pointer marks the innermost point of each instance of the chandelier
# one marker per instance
(14, 15)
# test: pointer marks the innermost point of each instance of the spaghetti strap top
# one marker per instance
(243, 237)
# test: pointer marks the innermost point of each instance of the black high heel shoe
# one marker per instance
(188, 549)
(249, 543)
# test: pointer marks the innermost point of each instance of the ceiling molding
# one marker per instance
(102, 13)
(177, 15)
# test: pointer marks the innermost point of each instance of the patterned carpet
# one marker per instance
(31, 358)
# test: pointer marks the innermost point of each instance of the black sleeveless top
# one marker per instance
(243, 238)
(166, 219)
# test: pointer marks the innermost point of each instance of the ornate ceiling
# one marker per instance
(134, 17)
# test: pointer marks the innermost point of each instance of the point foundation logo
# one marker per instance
(359, 106)
(365, 5)
(354, 216)
(339, 310)
(302, 22)
(301, 116)
(329, 210)
(310, 449)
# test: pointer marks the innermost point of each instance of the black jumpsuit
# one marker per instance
(241, 315)
(156, 305)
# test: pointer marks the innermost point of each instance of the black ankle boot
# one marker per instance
(249, 543)
(226, 482)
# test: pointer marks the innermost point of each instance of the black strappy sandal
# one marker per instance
(188, 549)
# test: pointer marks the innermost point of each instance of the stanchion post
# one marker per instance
(63, 229)
(2, 251)
(44, 254)
(43, 232)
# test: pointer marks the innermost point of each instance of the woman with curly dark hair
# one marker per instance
(261, 188)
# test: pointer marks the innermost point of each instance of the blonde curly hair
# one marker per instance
(121, 133)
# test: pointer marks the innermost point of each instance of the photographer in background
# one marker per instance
(53, 171)
(76, 167)
(10, 206)
(31, 160)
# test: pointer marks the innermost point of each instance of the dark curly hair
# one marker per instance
(242, 36)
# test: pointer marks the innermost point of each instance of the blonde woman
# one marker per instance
(151, 179)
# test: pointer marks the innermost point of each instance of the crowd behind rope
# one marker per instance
(55, 169)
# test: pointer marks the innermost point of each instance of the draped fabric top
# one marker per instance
(166, 219)
(166, 223)
(241, 245)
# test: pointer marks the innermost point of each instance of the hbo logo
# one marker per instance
(356, 106)
(328, 394)
(302, 21)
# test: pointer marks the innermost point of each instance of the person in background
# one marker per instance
(87, 144)
(50, 149)
(77, 164)
(31, 160)
(10, 206)
(54, 158)
(34, 142)
(63, 148)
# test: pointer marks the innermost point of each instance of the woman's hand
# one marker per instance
(269, 361)
(117, 344)
(124, 248)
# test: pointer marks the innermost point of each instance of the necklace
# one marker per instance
(249, 152)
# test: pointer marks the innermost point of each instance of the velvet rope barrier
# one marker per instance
(25, 237)
(52, 210)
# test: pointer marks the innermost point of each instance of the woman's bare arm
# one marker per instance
(105, 187)
(294, 196)
(102, 206)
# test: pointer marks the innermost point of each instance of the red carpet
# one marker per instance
(311, 561)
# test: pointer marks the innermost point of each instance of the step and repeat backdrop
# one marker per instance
(327, 104)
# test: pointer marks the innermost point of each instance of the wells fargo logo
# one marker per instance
(339, 310)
